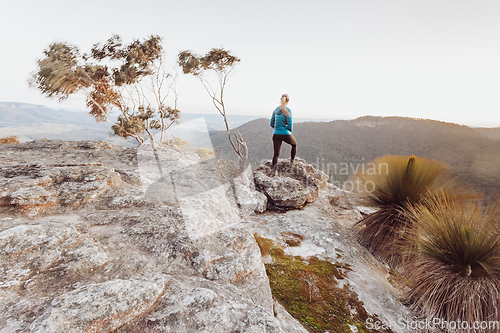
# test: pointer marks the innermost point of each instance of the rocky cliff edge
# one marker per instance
(99, 238)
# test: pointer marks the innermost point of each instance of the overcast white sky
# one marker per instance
(436, 59)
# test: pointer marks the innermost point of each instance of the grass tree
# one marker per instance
(455, 273)
(113, 76)
(404, 182)
(221, 63)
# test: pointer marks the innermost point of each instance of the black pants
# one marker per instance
(277, 140)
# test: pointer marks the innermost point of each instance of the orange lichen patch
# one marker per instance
(211, 261)
(111, 323)
(35, 209)
(240, 276)
(107, 324)
(45, 182)
(292, 239)
(75, 273)
(237, 243)
(15, 255)
(113, 183)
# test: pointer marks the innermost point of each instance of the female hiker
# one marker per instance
(282, 123)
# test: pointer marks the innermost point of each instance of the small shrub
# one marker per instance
(183, 144)
(406, 182)
(455, 274)
(11, 140)
(205, 153)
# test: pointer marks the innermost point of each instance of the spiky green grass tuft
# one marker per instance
(455, 274)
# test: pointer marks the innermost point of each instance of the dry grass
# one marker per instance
(404, 182)
(11, 140)
(455, 274)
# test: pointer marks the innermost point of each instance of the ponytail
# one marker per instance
(284, 101)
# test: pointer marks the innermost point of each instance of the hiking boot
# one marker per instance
(294, 163)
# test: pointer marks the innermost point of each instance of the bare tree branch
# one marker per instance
(221, 63)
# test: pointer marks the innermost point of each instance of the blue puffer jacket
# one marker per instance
(282, 125)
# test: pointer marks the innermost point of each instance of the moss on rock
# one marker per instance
(310, 291)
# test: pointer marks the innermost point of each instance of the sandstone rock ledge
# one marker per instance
(97, 238)
(88, 244)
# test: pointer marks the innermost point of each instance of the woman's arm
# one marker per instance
(273, 119)
(289, 124)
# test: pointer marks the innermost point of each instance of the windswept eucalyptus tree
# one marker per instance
(221, 63)
(113, 76)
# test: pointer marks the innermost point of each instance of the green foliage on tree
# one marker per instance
(128, 78)
(221, 63)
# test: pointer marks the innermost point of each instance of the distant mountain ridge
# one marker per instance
(23, 113)
(473, 153)
(31, 122)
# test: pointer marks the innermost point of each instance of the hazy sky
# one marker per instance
(437, 59)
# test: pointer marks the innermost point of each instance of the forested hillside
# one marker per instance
(473, 153)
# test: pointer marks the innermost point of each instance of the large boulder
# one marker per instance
(293, 188)
(248, 199)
